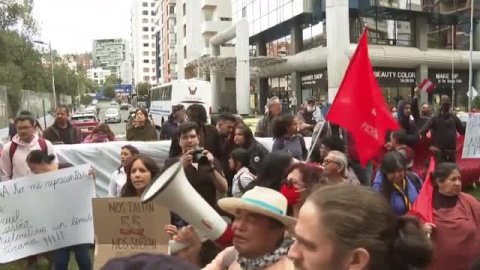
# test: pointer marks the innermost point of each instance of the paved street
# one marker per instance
(118, 129)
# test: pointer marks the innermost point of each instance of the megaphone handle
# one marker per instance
(177, 246)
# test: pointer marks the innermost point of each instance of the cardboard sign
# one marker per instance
(471, 147)
(41, 213)
(125, 226)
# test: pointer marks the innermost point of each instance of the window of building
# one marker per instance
(223, 19)
(144, 4)
(314, 36)
(440, 36)
(154, 54)
(185, 52)
(146, 78)
(146, 70)
(279, 47)
(152, 13)
(281, 87)
(145, 44)
(184, 9)
(153, 45)
(392, 32)
(145, 37)
(144, 20)
(171, 9)
(184, 30)
(152, 4)
(153, 29)
(145, 53)
(145, 29)
(146, 61)
(145, 12)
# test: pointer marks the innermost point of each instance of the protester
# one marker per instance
(301, 180)
(328, 143)
(147, 261)
(239, 162)
(307, 116)
(399, 187)
(13, 161)
(407, 124)
(62, 131)
(351, 227)
(39, 162)
(143, 130)
(285, 133)
(141, 170)
(398, 142)
(336, 170)
(265, 125)
(456, 215)
(244, 139)
(119, 177)
(420, 117)
(202, 170)
(101, 133)
(208, 135)
(170, 127)
(259, 228)
(225, 126)
(394, 112)
(12, 131)
(443, 128)
(273, 171)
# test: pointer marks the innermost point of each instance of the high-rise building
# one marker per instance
(409, 40)
(196, 23)
(98, 75)
(166, 40)
(109, 54)
(143, 41)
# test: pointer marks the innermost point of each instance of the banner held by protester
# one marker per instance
(41, 213)
(471, 146)
(125, 226)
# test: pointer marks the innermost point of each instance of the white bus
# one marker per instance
(186, 92)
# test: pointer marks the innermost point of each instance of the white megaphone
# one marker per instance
(173, 190)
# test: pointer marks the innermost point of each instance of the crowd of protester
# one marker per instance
(292, 208)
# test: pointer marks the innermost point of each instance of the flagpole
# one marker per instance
(470, 71)
(453, 68)
(312, 146)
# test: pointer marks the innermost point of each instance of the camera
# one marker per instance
(199, 157)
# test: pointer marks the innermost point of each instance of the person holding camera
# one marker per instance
(203, 171)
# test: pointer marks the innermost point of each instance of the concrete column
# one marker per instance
(297, 88)
(261, 46)
(296, 34)
(262, 94)
(476, 82)
(476, 36)
(421, 32)
(216, 91)
(421, 74)
(338, 37)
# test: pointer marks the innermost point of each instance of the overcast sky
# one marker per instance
(72, 25)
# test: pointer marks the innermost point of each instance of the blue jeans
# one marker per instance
(82, 256)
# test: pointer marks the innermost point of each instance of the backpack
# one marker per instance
(14, 146)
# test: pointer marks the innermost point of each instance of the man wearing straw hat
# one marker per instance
(259, 233)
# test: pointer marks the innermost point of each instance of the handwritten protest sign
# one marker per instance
(125, 226)
(471, 147)
(40, 213)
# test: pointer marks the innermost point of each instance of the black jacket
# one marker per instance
(444, 128)
(169, 130)
(208, 139)
(52, 134)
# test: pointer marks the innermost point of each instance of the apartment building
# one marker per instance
(166, 40)
(143, 41)
(109, 54)
(98, 75)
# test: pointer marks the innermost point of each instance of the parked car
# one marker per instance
(113, 103)
(125, 106)
(113, 115)
(91, 109)
(86, 121)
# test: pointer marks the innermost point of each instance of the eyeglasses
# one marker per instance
(327, 161)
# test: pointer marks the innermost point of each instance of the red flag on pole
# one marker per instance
(423, 208)
(360, 107)
(426, 85)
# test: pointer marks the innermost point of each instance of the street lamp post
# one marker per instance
(53, 74)
(470, 69)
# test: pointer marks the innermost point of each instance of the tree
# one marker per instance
(86, 99)
(109, 91)
(113, 79)
(143, 88)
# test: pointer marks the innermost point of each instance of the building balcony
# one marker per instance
(213, 27)
(171, 2)
(208, 3)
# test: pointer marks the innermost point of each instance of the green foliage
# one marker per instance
(109, 91)
(113, 79)
(142, 88)
(86, 100)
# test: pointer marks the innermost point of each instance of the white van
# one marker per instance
(185, 92)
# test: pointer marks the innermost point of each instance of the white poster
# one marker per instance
(40, 213)
(471, 146)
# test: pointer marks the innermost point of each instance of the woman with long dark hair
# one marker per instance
(141, 171)
(244, 138)
(285, 133)
(397, 185)
(143, 130)
(273, 170)
(101, 133)
(119, 177)
(239, 163)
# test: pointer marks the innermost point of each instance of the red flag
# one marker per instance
(423, 207)
(426, 85)
(360, 107)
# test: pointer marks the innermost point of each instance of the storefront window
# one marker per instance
(314, 84)
(282, 88)
(392, 32)
(279, 47)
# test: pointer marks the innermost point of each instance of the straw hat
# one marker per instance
(263, 201)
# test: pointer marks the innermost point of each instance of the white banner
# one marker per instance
(471, 146)
(40, 213)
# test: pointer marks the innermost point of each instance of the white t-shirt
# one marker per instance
(243, 177)
(117, 181)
